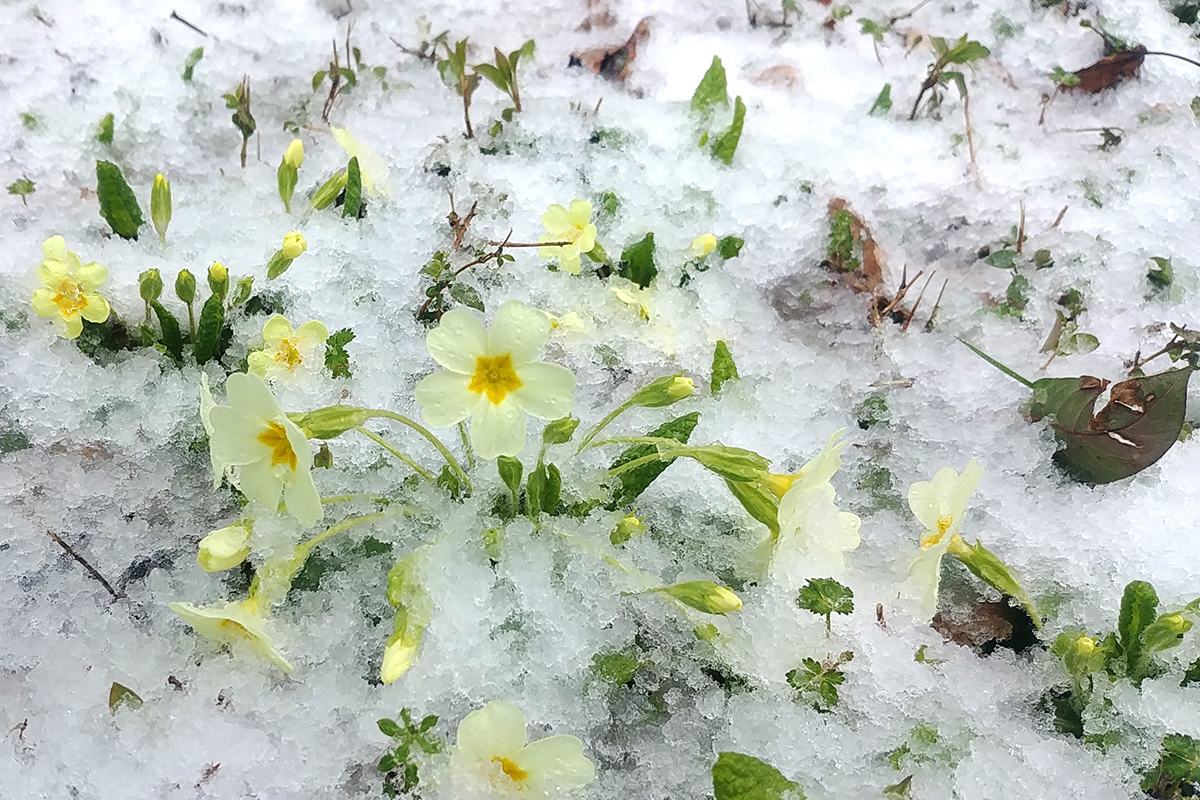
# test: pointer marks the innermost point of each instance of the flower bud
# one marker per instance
(224, 548)
(218, 279)
(330, 422)
(703, 245)
(293, 245)
(704, 596)
(160, 206)
(664, 391)
(294, 155)
(560, 431)
(150, 285)
(731, 463)
(185, 286)
(324, 197)
(398, 655)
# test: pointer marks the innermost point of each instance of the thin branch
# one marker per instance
(916, 305)
(893, 20)
(83, 562)
(938, 302)
(180, 19)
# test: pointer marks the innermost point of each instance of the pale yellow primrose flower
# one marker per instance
(491, 747)
(272, 454)
(233, 624)
(219, 468)
(371, 166)
(635, 297)
(574, 226)
(808, 513)
(69, 295)
(703, 244)
(293, 245)
(571, 322)
(492, 377)
(940, 506)
(294, 155)
(287, 350)
(224, 548)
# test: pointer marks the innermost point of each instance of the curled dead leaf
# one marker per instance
(1110, 70)
(614, 63)
(781, 75)
(868, 276)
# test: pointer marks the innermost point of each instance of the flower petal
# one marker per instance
(96, 308)
(302, 499)
(557, 221)
(258, 481)
(457, 341)
(497, 729)
(91, 275)
(71, 326)
(54, 249)
(43, 303)
(260, 362)
(53, 273)
(445, 399)
(547, 390)
(925, 574)
(314, 330)
(234, 437)
(556, 765)
(249, 396)
(276, 329)
(498, 429)
(587, 239)
(518, 330)
(580, 213)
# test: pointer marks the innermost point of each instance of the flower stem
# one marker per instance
(346, 498)
(466, 441)
(386, 445)
(602, 424)
(436, 442)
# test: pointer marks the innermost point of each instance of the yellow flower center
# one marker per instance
(511, 769)
(494, 377)
(931, 538)
(71, 298)
(780, 484)
(237, 630)
(275, 437)
(287, 355)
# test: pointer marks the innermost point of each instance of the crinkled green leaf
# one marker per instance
(118, 204)
(712, 89)
(725, 145)
(637, 261)
(741, 777)
(635, 481)
(723, 367)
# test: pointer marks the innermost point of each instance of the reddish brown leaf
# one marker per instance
(614, 63)
(1110, 70)
(985, 626)
(869, 275)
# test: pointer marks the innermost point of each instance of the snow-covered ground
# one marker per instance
(110, 454)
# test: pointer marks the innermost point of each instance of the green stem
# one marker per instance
(1007, 371)
(304, 548)
(466, 441)
(637, 462)
(386, 445)
(191, 322)
(602, 424)
(346, 498)
(599, 553)
(436, 442)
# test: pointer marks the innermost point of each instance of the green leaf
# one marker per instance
(208, 330)
(104, 132)
(729, 246)
(1140, 423)
(1002, 259)
(119, 695)
(352, 207)
(172, 336)
(29, 121)
(494, 75)
(1160, 276)
(118, 204)
(389, 727)
(712, 89)
(560, 431)
(899, 791)
(635, 481)
(1192, 675)
(825, 596)
(883, 101)
(21, 187)
(448, 480)
(872, 28)
(723, 368)
(318, 78)
(337, 360)
(741, 777)
(992, 571)
(189, 64)
(609, 203)
(615, 668)
(323, 198)
(1178, 768)
(387, 763)
(725, 145)
(637, 261)
(510, 470)
(467, 295)
(965, 52)
(1138, 607)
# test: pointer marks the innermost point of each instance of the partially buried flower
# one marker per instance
(234, 624)
(703, 244)
(219, 468)
(574, 226)
(491, 749)
(288, 353)
(69, 295)
(371, 166)
(224, 548)
(808, 513)
(492, 377)
(272, 454)
(940, 505)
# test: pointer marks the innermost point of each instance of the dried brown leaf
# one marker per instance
(614, 63)
(1109, 71)
(781, 75)
(869, 275)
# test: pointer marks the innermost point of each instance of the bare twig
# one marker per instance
(905, 284)
(1021, 230)
(938, 302)
(913, 313)
(1059, 218)
(893, 20)
(180, 19)
(83, 562)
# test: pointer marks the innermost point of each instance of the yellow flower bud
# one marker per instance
(218, 279)
(627, 527)
(224, 548)
(704, 596)
(294, 155)
(398, 655)
(331, 421)
(293, 245)
(150, 285)
(703, 245)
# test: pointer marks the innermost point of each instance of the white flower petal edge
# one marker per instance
(232, 624)
(498, 430)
